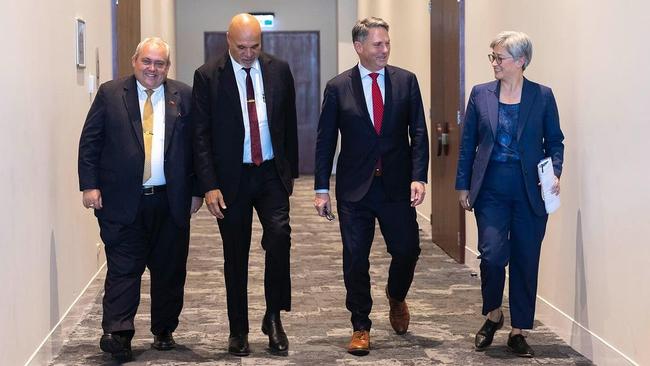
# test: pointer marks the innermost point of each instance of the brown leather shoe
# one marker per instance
(399, 314)
(360, 343)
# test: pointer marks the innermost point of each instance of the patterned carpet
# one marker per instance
(444, 300)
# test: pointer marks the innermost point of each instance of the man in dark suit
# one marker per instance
(135, 171)
(381, 172)
(246, 153)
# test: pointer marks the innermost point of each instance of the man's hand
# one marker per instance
(322, 203)
(214, 201)
(463, 199)
(556, 187)
(92, 198)
(197, 202)
(417, 193)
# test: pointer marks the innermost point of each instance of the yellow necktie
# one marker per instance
(147, 134)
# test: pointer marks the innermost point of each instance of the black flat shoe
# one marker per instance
(485, 335)
(163, 341)
(238, 345)
(517, 344)
(118, 346)
(278, 342)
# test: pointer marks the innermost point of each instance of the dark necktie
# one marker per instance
(256, 145)
(377, 103)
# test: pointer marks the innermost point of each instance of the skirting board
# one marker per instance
(575, 335)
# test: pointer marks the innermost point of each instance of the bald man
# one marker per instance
(246, 156)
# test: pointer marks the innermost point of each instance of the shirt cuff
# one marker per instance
(321, 191)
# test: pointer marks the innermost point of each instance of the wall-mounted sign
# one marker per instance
(267, 20)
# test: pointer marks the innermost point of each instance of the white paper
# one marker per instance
(547, 178)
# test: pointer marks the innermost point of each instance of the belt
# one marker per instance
(378, 172)
(251, 165)
(149, 190)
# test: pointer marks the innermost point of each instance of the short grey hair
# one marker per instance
(518, 44)
(361, 28)
(152, 41)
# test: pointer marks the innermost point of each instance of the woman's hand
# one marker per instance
(463, 199)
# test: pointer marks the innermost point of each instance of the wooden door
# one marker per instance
(302, 51)
(447, 99)
(126, 35)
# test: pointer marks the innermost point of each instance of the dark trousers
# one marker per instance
(153, 241)
(509, 232)
(398, 225)
(259, 188)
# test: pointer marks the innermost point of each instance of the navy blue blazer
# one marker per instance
(403, 143)
(539, 136)
(111, 150)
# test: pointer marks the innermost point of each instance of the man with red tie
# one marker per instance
(246, 156)
(381, 173)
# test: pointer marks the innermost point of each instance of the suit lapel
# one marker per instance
(172, 111)
(132, 105)
(492, 100)
(388, 98)
(528, 95)
(266, 68)
(359, 98)
(228, 86)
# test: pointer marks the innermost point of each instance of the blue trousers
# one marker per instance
(509, 232)
(398, 225)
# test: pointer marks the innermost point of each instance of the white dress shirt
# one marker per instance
(366, 81)
(260, 104)
(158, 139)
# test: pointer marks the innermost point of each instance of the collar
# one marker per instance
(142, 89)
(365, 72)
(236, 66)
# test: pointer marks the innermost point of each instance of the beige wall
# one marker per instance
(593, 283)
(157, 19)
(194, 17)
(409, 38)
(48, 249)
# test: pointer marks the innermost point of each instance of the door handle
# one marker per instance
(442, 134)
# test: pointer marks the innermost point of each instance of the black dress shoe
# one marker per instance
(119, 346)
(517, 344)
(163, 341)
(238, 345)
(272, 326)
(485, 335)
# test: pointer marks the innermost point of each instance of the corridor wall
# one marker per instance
(48, 241)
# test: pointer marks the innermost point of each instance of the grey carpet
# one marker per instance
(445, 303)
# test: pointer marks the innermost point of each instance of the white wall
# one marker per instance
(194, 17)
(410, 39)
(593, 276)
(157, 19)
(48, 249)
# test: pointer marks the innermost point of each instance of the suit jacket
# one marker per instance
(111, 150)
(538, 132)
(402, 144)
(219, 124)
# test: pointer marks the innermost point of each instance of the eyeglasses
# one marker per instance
(499, 59)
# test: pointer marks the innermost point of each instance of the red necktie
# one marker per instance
(256, 145)
(377, 103)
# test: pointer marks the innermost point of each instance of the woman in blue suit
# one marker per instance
(510, 125)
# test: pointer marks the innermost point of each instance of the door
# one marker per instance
(126, 35)
(447, 99)
(302, 51)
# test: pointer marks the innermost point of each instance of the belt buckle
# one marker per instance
(148, 191)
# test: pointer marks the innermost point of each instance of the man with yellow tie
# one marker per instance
(135, 172)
